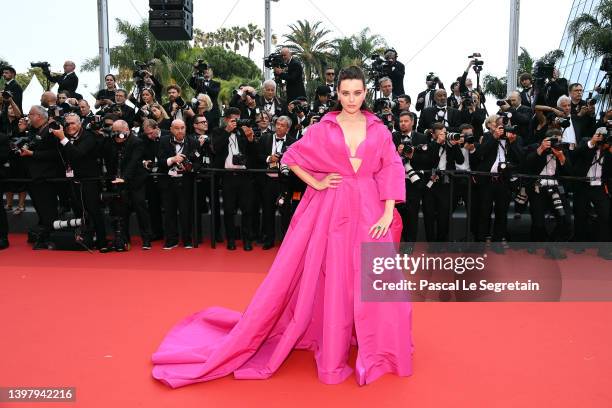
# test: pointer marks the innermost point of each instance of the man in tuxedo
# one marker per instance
(403, 104)
(68, 81)
(498, 154)
(178, 158)
(268, 102)
(582, 113)
(10, 85)
(177, 108)
(207, 85)
(151, 136)
(526, 81)
(275, 185)
(234, 148)
(79, 155)
(4, 156)
(386, 91)
(330, 83)
(43, 161)
(293, 75)
(411, 148)
(122, 109)
(521, 114)
(426, 98)
(395, 70)
(124, 158)
(449, 117)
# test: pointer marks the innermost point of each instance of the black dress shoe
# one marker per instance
(607, 255)
(146, 244)
(41, 245)
(231, 245)
(267, 246)
(4, 243)
(248, 246)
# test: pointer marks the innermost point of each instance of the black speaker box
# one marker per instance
(171, 4)
(171, 25)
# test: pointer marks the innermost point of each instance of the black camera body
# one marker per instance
(467, 100)
(563, 122)
(239, 159)
(7, 94)
(543, 71)
(201, 67)
(274, 60)
(19, 143)
(42, 64)
(244, 122)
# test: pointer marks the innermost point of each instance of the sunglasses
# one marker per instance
(330, 73)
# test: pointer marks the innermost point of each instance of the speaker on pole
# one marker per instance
(171, 20)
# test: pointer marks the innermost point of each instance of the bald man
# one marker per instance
(68, 81)
(293, 75)
(123, 160)
(177, 152)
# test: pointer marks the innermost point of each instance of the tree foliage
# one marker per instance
(592, 32)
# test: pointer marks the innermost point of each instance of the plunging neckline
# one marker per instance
(348, 149)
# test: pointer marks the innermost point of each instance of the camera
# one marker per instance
(119, 134)
(477, 65)
(431, 77)
(563, 122)
(467, 100)
(239, 159)
(502, 102)
(413, 176)
(43, 64)
(243, 122)
(453, 136)
(606, 136)
(556, 143)
(71, 223)
(19, 143)
(543, 70)
(139, 71)
(409, 149)
(388, 119)
(274, 60)
(96, 123)
(201, 67)
(298, 107)
(7, 94)
(382, 104)
(469, 138)
(379, 68)
(186, 166)
(557, 202)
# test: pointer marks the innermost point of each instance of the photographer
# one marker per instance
(203, 107)
(403, 104)
(202, 82)
(471, 112)
(177, 157)
(386, 91)
(12, 89)
(445, 154)
(235, 148)
(330, 83)
(275, 185)
(499, 153)
(582, 112)
(593, 160)
(79, 154)
(426, 98)
(14, 166)
(526, 81)
(298, 113)
(123, 158)
(549, 159)
(293, 75)
(4, 155)
(106, 97)
(520, 114)
(158, 114)
(269, 102)
(120, 108)
(322, 103)
(248, 107)
(144, 79)
(412, 148)
(68, 81)
(151, 135)
(449, 117)
(548, 87)
(395, 70)
(85, 113)
(469, 143)
(454, 100)
(465, 83)
(177, 108)
(41, 155)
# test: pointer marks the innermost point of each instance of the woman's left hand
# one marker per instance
(380, 228)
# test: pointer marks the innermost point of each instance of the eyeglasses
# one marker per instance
(330, 73)
(200, 122)
(70, 123)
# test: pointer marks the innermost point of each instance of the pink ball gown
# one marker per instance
(310, 298)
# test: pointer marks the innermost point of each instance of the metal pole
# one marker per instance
(103, 40)
(267, 39)
(513, 45)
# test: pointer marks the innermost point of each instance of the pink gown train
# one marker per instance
(310, 298)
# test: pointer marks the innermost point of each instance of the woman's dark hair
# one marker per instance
(110, 75)
(352, 72)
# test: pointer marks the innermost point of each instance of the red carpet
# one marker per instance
(92, 322)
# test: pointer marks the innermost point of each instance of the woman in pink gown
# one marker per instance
(310, 298)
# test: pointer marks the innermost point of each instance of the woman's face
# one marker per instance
(351, 94)
(110, 82)
(263, 122)
(11, 112)
(147, 97)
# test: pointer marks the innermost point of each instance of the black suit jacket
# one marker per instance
(211, 89)
(534, 163)
(397, 78)
(487, 154)
(280, 106)
(454, 155)
(294, 78)
(584, 157)
(131, 168)
(429, 117)
(17, 92)
(167, 149)
(220, 148)
(46, 161)
(82, 155)
(421, 159)
(264, 147)
(65, 82)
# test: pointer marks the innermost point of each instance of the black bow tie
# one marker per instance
(176, 142)
(269, 103)
(280, 140)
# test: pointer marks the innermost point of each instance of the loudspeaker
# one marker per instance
(171, 20)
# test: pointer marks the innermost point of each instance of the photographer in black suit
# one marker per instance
(123, 159)
(593, 160)
(151, 136)
(4, 156)
(520, 114)
(269, 102)
(550, 158)
(275, 185)
(499, 153)
(202, 82)
(178, 158)
(79, 155)
(445, 154)
(234, 148)
(11, 86)
(293, 75)
(106, 97)
(426, 98)
(395, 70)
(526, 81)
(43, 161)
(412, 148)
(68, 81)
(451, 118)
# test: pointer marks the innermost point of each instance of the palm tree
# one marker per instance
(253, 34)
(308, 43)
(592, 33)
(497, 86)
(202, 39)
(236, 36)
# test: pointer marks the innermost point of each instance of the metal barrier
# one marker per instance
(211, 173)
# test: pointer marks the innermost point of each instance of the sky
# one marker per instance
(57, 30)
